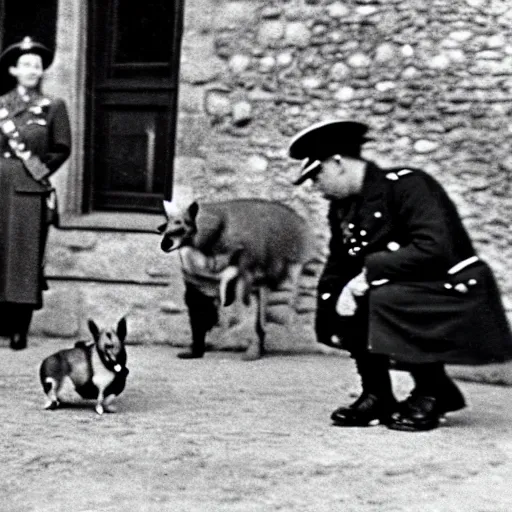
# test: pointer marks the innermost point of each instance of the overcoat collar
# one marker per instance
(375, 191)
(374, 184)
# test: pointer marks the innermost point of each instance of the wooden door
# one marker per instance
(131, 103)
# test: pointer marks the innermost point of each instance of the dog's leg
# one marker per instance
(294, 273)
(51, 388)
(257, 348)
(203, 315)
(100, 409)
(107, 404)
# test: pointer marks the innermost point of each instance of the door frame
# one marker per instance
(90, 100)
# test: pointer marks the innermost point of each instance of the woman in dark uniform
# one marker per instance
(35, 140)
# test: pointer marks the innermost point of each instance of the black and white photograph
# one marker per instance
(255, 255)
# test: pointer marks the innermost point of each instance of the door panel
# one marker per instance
(134, 55)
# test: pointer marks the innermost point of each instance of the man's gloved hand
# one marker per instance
(346, 304)
(356, 287)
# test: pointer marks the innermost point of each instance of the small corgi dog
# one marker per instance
(97, 368)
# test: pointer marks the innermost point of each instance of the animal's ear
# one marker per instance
(122, 329)
(160, 229)
(193, 209)
(95, 331)
(171, 208)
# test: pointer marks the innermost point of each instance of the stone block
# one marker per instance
(217, 102)
(359, 60)
(242, 113)
(61, 314)
(235, 15)
(113, 256)
(193, 132)
(425, 146)
(239, 63)
(199, 64)
(297, 34)
(270, 32)
(191, 99)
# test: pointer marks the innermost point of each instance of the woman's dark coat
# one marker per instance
(407, 233)
(43, 126)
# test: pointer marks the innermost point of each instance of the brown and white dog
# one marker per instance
(97, 369)
(231, 250)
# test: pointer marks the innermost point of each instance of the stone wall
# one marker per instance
(433, 80)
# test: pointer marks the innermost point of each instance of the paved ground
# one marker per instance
(223, 435)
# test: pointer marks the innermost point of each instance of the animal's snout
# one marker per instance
(167, 243)
(173, 239)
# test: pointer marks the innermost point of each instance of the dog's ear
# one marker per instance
(95, 330)
(122, 329)
(160, 229)
(192, 210)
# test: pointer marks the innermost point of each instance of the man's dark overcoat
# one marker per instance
(43, 126)
(422, 305)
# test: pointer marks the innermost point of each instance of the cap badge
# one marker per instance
(27, 43)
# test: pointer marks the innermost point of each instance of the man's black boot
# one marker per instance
(434, 395)
(368, 410)
(416, 414)
(376, 403)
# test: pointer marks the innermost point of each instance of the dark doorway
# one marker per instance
(22, 18)
(131, 103)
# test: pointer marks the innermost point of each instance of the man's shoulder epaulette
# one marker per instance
(399, 172)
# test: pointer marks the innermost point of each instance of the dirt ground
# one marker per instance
(224, 435)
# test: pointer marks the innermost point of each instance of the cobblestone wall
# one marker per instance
(433, 79)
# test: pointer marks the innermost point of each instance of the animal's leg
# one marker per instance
(107, 404)
(257, 348)
(100, 409)
(294, 273)
(51, 388)
(203, 315)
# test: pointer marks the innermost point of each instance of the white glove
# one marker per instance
(356, 287)
(346, 304)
